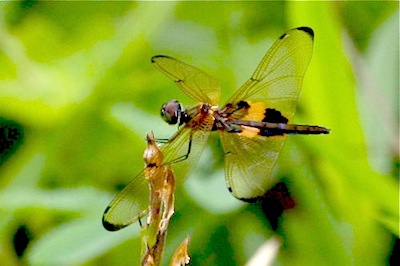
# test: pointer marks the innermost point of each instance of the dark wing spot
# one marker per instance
(274, 116)
(243, 104)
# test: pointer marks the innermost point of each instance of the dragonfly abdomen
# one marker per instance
(301, 129)
(269, 129)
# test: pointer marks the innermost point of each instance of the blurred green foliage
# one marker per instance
(77, 83)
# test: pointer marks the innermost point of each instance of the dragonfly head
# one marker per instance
(172, 112)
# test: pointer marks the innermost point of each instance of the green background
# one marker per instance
(77, 83)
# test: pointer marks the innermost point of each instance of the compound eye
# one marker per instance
(171, 112)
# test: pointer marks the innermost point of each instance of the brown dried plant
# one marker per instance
(161, 185)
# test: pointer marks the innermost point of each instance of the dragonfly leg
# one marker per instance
(140, 223)
(183, 157)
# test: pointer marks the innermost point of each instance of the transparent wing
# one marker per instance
(278, 78)
(192, 81)
(128, 205)
(276, 84)
(194, 134)
(133, 201)
(249, 163)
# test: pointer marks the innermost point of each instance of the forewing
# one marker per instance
(249, 163)
(278, 78)
(192, 81)
(128, 205)
(133, 201)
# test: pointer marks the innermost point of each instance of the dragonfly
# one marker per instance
(253, 125)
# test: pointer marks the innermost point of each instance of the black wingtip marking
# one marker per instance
(111, 227)
(154, 58)
(307, 30)
(108, 226)
(250, 200)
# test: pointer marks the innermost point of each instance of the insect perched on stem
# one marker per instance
(253, 124)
